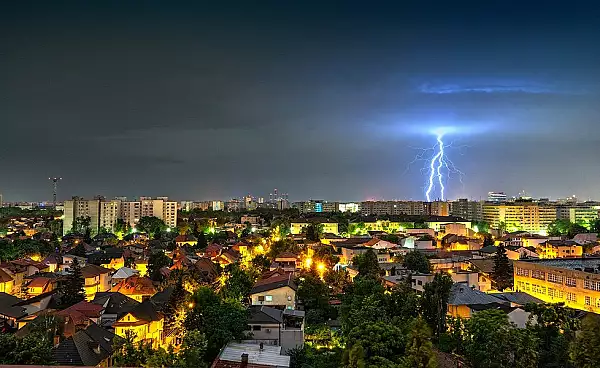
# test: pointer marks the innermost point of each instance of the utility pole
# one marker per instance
(55, 181)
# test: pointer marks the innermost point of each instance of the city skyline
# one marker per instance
(327, 102)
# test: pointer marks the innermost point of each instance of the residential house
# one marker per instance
(251, 355)
(115, 305)
(276, 291)
(464, 300)
(7, 282)
(53, 262)
(559, 249)
(468, 278)
(92, 346)
(186, 240)
(206, 268)
(288, 261)
(123, 273)
(144, 322)
(39, 285)
(278, 327)
(9, 312)
(136, 287)
(97, 279)
(377, 243)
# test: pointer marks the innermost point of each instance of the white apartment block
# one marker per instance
(161, 207)
(102, 213)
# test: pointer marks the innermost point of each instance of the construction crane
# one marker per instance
(55, 181)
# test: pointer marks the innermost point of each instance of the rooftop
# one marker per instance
(577, 264)
(269, 356)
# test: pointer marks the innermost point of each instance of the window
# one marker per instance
(255, 328)
(269, 298)
(591, 285)
(571, 282)
(572, 297)
(522, 272)
(420, 282)
(261, 298)
(537, 274)
(557, 279)
(551, 292)
(588, 300)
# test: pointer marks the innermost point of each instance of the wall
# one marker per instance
(285, 296)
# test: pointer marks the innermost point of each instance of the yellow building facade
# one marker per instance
(524, 216)
(328, 227)
(148, 330)
(569, 281)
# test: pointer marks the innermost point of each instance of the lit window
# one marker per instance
(269, 298)
(571, 282)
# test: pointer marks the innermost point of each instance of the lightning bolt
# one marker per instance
(438, 168)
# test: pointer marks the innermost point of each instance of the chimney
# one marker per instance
(244, 362)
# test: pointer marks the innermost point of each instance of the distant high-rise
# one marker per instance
(160, 207)
(496, 197)
(103, 213)
(470, 210)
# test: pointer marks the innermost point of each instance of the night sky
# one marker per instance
(320, 101)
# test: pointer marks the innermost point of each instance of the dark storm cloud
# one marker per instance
(318, 99)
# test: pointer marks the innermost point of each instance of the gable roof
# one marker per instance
(146, 311)
(135, 285)
(462, 294)
(274, 282)
(124, 272)
(8, 308)
(114, 303)
(91, 270)
(87, 347)
(261, 314)
(5, 277)
(518, 297)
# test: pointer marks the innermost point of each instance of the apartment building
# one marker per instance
(379, 208)
(524, 216)
(575, 282)
(103, 213)
(470, 210)
(582, 213)
(160, 207)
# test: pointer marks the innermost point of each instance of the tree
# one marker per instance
(157, 261)
(183, 227)
(314, 296)
(419, 349)
(585, 349)
(202, 243)
(151, 225)
(402, 303)
(121, 228)
(555, 327)
(261, 263)
(219, 320)
(378, 339)
(193, 350)
(503, 272)
(492, 341)
(82, 225)
(355, 357)
(238, 283)
(72, 287)
(337, 280)
(435, 302)
(314, 232)
(417, 261)
(32, 349)
(367, 264)
(481, 226)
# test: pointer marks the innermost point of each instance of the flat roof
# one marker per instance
(579, 264)
(270, 355)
